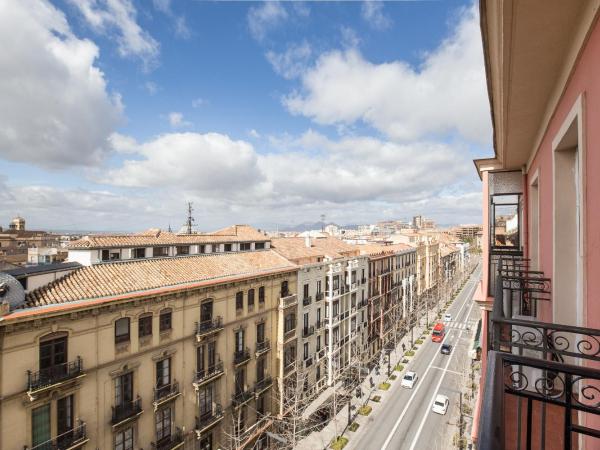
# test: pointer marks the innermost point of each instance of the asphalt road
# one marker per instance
(405, 420)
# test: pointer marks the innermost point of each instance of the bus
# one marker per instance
(438, 333)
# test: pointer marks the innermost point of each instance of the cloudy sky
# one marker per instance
(114, 113)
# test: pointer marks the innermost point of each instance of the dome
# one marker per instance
(11, 291)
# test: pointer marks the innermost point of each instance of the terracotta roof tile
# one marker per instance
(295, 248)
(106, 280)
(383, 249)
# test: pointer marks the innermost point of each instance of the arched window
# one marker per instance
(122, 330)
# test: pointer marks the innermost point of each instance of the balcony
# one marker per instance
(308, 331)
(319, 325)
(207, 327)
(538, 391)
(126, 411)
(72, 439)
(319, 296)
(289, 335)
(209, 419)
(363, 280)
(308, 362)
(289, 368)
(306, 301)
(163, 394)
(53, 375)
(241, 356)
(241, 398)
(171, 442)
(320, 354)
(262, 347)
(288, 300)
(262, 385)
(205, 376)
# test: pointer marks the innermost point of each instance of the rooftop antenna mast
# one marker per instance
(190, 219)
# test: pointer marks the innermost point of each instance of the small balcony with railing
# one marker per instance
(289, 335)
(171, 442)
(241, 397)
(542, 386)
(72, 439)
(306, 301)
(207, 375)
(126, 412)
(209, 419)
(319, 296)
(51, 377)
(308, 331)
(262, 385)
(208, 327)
(262, 347)
(287, 300)
(241, 356)
(165, 393)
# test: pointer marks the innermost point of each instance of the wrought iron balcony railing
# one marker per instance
(306, 301)
(263, 346)
(262, 385)
(241, 397)
(308, 331)
(173, 441)
(126, 410)
(530, 403)
(209, 326)
(52, 375)
(166, 392)
(70, 439)
(241, 356)
(209, 418)
(211, 372)
(319, 296)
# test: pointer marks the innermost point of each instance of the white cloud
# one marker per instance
(119, 17)
(176, 120)
(372, 13)
(262, 18)
(291, 63)
(253, 133)
(198, 102)
(349, 37)
(447, 94)
(181, 28)
(55, 110)
(151, 87)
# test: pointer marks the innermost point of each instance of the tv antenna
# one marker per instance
(190, 219)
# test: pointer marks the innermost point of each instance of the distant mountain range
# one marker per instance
(307, 226)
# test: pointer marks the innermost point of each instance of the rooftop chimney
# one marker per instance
(307, 240)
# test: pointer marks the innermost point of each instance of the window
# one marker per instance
(239, 341)
(111, 255)
(259, 245)
(64, 417)
(261, 294)
(240, 380)
(239, 301)
(53, 351)
(40, 425)
(163, 372)
(124, 439)
(227, 247)
(205, 398)
(260, 405)
(202, 249)
(284, 289)
(305, 291)
(336, 308)
(165, 322)
(260, 370)
(206, 442)
(206, 311)
(289, 323)
(163, 424)
(124, 389)
(260, 332)
(122, 330)
(251, 298)
(353, 299)
(353, 277)
(336, 282)
(160, 251)
(245, 246)
(139, 253)
(289, 355)
(306, 321)
(183, 249)
(505, 220)
(305, 351)
(319, 372)
(216, 248)
(145, 326)
(318, 343)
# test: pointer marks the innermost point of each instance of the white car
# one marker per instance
(440, 404)
(447, 317)
(409, 380)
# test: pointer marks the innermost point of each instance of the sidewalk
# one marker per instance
(322, 439)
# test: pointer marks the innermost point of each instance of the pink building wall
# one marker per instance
(585, 80)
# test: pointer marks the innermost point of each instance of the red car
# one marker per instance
(438, 333)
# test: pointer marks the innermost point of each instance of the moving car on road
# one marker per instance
(438, 333)
(446, 349)
(447, 317)
(440, 404)
(409, 380)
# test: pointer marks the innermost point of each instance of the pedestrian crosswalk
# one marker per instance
(461, 325)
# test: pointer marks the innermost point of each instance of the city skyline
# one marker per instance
(234, 107)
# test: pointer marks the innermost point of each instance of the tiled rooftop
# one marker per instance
(106, 280)
(152, 237)
(382, 249)
(295, 248)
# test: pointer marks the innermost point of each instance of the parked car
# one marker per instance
(446, 349)
(409, 380)
(440, 404)
(447, 317)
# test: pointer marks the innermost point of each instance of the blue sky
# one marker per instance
(117, 112)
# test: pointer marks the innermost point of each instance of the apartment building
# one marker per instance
(160, 353)
(392, 283)
(331, 309)
(156, 243)
(541, 246)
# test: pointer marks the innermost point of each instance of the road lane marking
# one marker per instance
(410, 400)
(447, 370)
(436, 390)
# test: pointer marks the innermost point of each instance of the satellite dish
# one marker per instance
(11, 291)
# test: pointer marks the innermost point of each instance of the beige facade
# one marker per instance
(170, 367)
